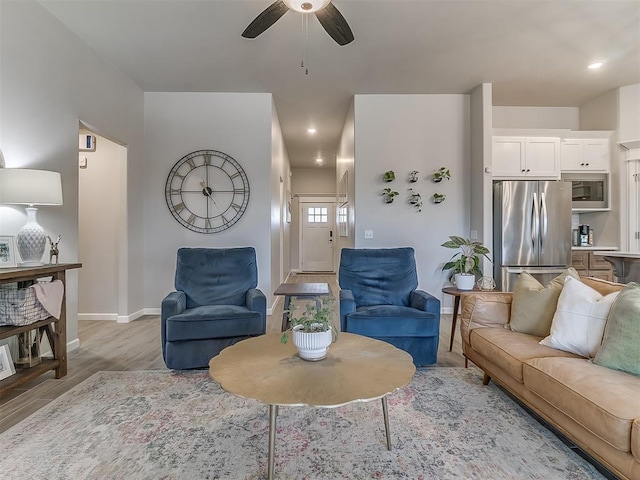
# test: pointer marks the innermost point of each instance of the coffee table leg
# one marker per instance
(385, 414)
(273, 413)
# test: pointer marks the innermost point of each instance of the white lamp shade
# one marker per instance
(30, 187)
(306, 6)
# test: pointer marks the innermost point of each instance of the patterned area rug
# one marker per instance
(164, 425)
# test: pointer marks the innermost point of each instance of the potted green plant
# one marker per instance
(441, 174)
(438, 197)
(465, 264)
(311, 331)
(413, 176)
(415, 199)
(389, 176)
(389, 194)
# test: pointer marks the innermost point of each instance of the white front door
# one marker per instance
(317, 237)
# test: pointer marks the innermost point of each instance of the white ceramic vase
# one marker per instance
(465, 281)
(312, 346)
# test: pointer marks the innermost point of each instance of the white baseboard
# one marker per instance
(112, 317)
(138, 314)
(71, 346)
(447, 310)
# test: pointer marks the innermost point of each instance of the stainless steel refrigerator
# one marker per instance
(531, 230)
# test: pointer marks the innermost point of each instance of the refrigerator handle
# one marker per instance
(543, 220)
(535, 221)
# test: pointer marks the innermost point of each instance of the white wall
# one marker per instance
(176, 124)
(405, 133)
(100, 224)
(49, 82)
(345, 163)
(536, 117)
(481, 220)
(280, 168)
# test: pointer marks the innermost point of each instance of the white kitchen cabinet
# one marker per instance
(528, 157)
(585, 155)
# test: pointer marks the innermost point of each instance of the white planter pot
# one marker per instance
(465, 281)
(312, 346)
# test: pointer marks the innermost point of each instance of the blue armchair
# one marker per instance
(216, 305)
(378, 299)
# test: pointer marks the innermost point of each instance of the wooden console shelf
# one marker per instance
(55, 330)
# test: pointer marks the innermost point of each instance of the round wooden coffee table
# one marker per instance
(357, 369)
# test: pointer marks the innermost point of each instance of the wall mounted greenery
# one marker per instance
(388, 195)
(389, 176)
(413, 176)
(415, 199)
(441, 174)
(438, 197)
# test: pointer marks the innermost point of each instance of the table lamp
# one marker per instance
(30, 187)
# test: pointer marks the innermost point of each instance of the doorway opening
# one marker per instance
(102, 245)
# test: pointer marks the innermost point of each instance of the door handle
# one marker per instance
(534, 220)
(331, 235)
(543, 220)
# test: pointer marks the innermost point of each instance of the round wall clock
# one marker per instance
(207, 191)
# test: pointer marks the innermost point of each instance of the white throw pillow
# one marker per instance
(578, 324)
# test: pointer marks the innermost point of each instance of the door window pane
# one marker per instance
(317, 215)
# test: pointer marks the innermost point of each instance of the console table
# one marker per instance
(56, 330)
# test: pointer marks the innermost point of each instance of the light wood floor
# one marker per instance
(108, 345)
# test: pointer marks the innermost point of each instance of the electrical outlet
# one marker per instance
(368, 234)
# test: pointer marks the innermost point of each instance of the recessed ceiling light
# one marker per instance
(311, 130)
(595, 65)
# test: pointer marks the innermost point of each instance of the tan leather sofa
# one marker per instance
(596, 408)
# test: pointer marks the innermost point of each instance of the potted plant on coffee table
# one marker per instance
(311, 331)
(465, 264)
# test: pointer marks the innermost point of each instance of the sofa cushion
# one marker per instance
(533, 304)
(579, 320)
(621, 343)
(635, 439)
(214, 321)
(510, 349)
(603, 401)
(392, 321)
(604, 287)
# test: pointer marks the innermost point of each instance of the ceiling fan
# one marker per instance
(326, 12)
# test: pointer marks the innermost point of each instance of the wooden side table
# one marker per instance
(456, 306)
(299, 290)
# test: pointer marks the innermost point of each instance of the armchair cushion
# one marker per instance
(216, 276)
(214, 321)
(386, 320)
(379, 276)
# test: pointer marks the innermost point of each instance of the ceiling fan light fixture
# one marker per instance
(306, 6)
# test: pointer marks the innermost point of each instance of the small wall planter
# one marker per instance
(388, 195)
(389, 176)
(438, 197)
(415, 199)
(413, 176)
(442, 173)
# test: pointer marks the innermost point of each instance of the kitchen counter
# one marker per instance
(594, 248)
(626, 265)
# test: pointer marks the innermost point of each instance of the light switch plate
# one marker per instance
(368, 234)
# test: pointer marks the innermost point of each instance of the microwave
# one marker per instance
(589, 191)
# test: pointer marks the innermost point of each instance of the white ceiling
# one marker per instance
(534, 52)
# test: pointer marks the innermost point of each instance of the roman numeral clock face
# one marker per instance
(207, 191)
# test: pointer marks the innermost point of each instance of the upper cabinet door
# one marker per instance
(597, 154)
(580, 155)
(542, 157)
(508, 157)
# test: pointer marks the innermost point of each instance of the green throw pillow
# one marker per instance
(533, 305)
(620, 347)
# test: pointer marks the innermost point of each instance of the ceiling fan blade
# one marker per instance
(268, 17)
(335, 24)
